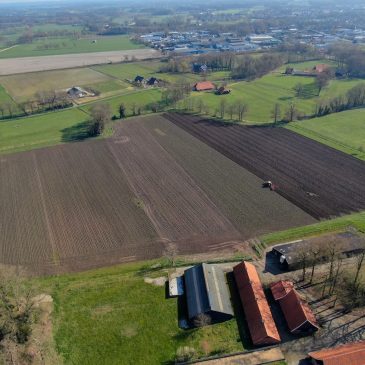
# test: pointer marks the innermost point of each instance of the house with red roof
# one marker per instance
(258, 315)
(204, 86)
(348, 354)
(298, 315)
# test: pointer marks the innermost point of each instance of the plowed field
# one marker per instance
(318, 179)
(95, 203)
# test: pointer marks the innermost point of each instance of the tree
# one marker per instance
(298, 88)
(303, 259)
(134, 108)
(170, 253)
(122, 111)
(222, 108)
(322, 80)
(100, 115)
(10, 107)
(358, 265)
(2, 110)
(241, 110)
(291, 112)
(315, 252)
(276, 112)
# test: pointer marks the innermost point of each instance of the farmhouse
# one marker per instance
(297, 313)
(199, 68)
(78, 92)
(351, 353)
(207, 293)
(139, 79)
(204, 86)
(257, 311)
(152, 81)
(289, 254)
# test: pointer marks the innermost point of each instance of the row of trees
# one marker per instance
(354, 98)
(345, 285)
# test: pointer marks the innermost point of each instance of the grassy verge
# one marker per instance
(112, 316)
(356, 220)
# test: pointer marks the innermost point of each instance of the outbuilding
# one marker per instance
(350, 353)
(207, 293)
(204, 86)
(298, 315)
(258, 315)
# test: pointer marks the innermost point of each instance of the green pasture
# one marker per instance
(38, 131)
(142, 98)
(344, 131)
(6, 100)
(67, 45)
(23, 87)
(356, 220)
(112, 316)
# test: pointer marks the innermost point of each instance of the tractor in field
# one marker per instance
(269, 184)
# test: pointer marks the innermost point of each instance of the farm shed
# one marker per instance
(349, 354)
(207, 293)
(204, 86)
(257, 311)
(289, 254)
(297, 313)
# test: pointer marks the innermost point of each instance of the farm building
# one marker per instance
(289, 254)
(78, 92)
(222, 91)
(204, 86)
(200, 68)
(139, 79)
(207, 293)
(320, 68)
(351, 354)
(152, 81)
(297, 313)
(261, 324)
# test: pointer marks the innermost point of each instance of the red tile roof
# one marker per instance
(297, 312)
(258, 315)
(349, 354)
(204, 85)
(281, 288)
(321, 67)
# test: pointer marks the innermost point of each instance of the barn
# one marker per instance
(351, 353)
(207, 293)
(204, 86)
(298, 315)
(258, 315)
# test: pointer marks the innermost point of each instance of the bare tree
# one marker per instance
(298, 88)
(358, 265)
(303, 259)
(122, 111)
(170, 253)
(315, 253)
(222, 108)
(276, 113)
(10, 108)
(241, 110)
(2, 110)
(291, 112)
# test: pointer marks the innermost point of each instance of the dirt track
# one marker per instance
(21, 65)
(318, 179)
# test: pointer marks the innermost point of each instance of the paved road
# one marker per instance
(10, 66)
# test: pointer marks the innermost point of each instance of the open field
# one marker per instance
(102, 201)
(43, 63)
(25, 86)
(343, 131)
(112, 316)
(320, 180)
(40, 130)
(66, 45)
(5, 100)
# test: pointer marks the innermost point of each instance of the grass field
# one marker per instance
(343, 131)
(356, 220)
(37, 131)
(111, 316)
(4, 100)
(59, 46)
(24, 86)
(261, 95)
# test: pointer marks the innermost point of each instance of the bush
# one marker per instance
(185, 353)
